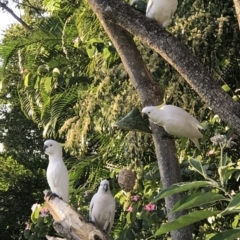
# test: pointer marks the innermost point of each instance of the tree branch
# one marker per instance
(150, 93)
(237, 9)
(173, 51)
(25, 25)
(70, 223)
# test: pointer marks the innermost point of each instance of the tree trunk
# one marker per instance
(237, 9)
(174, 52)
(150, 93)
(69, 223)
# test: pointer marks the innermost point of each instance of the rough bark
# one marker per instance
(69, 223)
(5, 7)
(150, 93)
(237, 9)
(178, 55)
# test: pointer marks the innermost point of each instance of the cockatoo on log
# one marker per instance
(57, 174)
(102, 207)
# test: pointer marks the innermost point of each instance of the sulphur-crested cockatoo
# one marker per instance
(102, 207)
(57, 174)
(175, 121)
(161, 10)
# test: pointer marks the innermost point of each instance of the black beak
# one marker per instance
(105, 187)
(145, 116)
(44, 147)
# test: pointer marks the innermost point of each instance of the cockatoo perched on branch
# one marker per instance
(175, 121)
(161, 10)
(102, 207)
(57, 174)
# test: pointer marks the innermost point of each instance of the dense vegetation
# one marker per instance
(62, 78)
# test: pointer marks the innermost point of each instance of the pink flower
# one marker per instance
(27, 226)
(135, 198)
(211, 152)
(44, 212)
(76, 40)
(130, 209)
(86, 193)
(35, 206)
(150, 207)
(234, 137)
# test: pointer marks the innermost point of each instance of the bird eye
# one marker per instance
(148, 112)
(50, 145)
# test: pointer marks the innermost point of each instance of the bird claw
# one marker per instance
(51, 195)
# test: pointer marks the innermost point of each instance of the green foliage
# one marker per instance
(79, 105)
(41, 223)
(208, 195)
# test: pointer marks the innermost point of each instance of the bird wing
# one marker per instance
(149, 5)
(91, 208)
(172, 112)
(58, 180)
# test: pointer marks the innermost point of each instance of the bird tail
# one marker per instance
(196, 142)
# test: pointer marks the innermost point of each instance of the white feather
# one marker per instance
(102, 207)
(176, 121)
(57, 174)
(161, 10)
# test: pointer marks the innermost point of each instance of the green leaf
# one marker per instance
(197, 199)
(91, 50)
(185, 221)
(225, 159)
(197, 165)
(180, 187)
(26, 233)
(106, 53)
(128, 217)
(233, 206)
(226, 88)
(48, 84)
(40, 221)
(35, 215)
(227, 235)
(27, 79)
(33, 237)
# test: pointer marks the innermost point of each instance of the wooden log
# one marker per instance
(69, 223)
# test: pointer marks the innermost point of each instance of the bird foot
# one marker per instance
(51, 195)
(90, 221)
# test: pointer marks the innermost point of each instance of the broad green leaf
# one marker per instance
(227, 235)
(26, 233)
(95, 40)
(35, 215)
(40, 221)
(197, 199)
(224, 159)
(37, 81)
(234, 205)
(48, 84)
(128, 217)
(106, 53)
(226, 88)
(185, 221)
(91, 50)
(197, 165)
(180, 187)
(27, 79)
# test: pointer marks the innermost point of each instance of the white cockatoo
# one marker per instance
(102, 207)
(161, 10)
(57, 174)
(175, 121)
